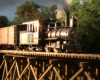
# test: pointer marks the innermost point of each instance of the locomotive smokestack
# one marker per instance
(64, 5)
(66, 19)
(66, 9)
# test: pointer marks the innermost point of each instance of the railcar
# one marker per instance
(9, 36)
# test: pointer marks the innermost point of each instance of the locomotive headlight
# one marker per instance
(64, 42)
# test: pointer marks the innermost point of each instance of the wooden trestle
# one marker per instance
(22, 65)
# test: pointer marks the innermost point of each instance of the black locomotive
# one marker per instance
(50, 35)
(44, 35)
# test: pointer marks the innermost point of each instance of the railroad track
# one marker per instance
(52, 55)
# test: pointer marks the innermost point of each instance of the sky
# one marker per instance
(8, 7)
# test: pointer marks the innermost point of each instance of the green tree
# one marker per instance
(47, 12)
(88, 17)
(3, 21)
(30, 11)
(26, 12)
(27, 8)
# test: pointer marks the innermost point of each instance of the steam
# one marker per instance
(63, 4)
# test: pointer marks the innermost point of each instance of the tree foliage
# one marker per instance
(88, 22)
(3, 21)
(27, 8)
(26, 12)
(47, 12)
(32, 11)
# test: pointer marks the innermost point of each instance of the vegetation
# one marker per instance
(3, 21)
(32, 11)
(47, 12)
(88, 22)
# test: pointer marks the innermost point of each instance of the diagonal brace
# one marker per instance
(46, 72)
(2, 63)
(33, 72)
(10, 69)
(57, 73)
(76, 74)
(23, 71)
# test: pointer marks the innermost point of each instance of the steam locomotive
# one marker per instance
(45, 35)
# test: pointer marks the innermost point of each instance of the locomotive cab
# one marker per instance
(34, 37)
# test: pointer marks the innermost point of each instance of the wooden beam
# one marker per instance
(87, 75)
(22, 67)
(52, 76)
(10, 69)
(23, 71)
(59, 77)
(6, 68)
(98, 72)
(44, 68)
(3, 76)
(2, 63)
(33, 72)
(36, 68)
(77, 73)
(17, 69)
(29, 74)
(46, 72)
(66, 71)
(60, 69)
(14, 74)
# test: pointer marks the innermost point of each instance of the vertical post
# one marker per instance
(52, 72)
(66, 72)
(98, 72)
(4, 71)
(44, 68)
(36, 68)
(81, 64)
(60, 69)
(21, 68)
(11, 70)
